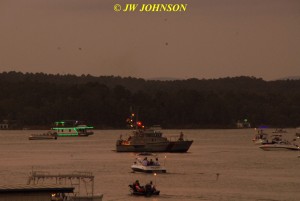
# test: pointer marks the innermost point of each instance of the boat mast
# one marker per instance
(133, 121)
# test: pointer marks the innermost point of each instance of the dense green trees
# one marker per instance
(40, 99)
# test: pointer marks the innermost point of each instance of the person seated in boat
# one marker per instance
(138, 187)
(135, 184)
(156, 162)
(180, 137)
(150, 187)
(145, 162)
(151, 162)
(276, 139)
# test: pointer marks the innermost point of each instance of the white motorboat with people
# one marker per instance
(280, 145)
(275, 139)
(263, 138)
(148, 163)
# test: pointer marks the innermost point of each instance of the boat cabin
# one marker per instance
(72, 128)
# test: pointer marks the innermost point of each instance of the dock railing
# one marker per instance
(74, 179)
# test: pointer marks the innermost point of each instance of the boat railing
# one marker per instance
(174, 138)
(75, 179)
(156, 127)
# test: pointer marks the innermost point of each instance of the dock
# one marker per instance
(75, 179)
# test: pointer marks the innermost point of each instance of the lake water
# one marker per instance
(221, 165)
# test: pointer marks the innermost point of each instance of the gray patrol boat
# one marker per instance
(152, 140)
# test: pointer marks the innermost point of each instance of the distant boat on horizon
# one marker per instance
(72, 128)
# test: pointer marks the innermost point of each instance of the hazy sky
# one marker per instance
(213, 38)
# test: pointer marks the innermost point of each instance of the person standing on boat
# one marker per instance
(180, 137)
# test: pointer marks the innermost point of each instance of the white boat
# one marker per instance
(150, 139)
(148, 163)
(280, 146)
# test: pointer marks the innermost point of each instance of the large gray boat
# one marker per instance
(152, 140)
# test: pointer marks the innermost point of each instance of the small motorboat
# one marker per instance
(148, 163)
(147, 191)
(280, 146)
(45, 136)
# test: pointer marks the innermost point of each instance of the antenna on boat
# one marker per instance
(154, 179)
(136, 119)
(133, 120)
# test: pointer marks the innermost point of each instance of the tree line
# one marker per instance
(38, 99)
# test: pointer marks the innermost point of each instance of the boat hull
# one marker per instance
(275, 147)
(179, 146)
(74, 134)
(176, 146)
(87, 198)
(161, 147)
(146, 193)
(148, 169)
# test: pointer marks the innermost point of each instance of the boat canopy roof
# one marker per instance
(69, 123)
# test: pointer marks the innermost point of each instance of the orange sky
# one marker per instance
(213, 38)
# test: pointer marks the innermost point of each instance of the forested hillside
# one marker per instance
(40, 99)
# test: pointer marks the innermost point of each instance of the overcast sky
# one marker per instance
(212, 39)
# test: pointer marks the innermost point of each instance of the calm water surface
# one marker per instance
(221, 165)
